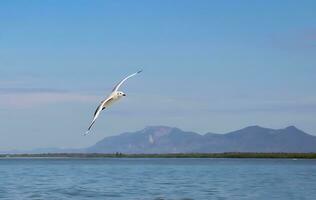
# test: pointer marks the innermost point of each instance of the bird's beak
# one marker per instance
(124, 95)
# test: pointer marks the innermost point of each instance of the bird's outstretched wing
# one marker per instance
(122, 81)
(97, 112)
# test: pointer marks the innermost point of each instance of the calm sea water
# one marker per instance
(157, 179)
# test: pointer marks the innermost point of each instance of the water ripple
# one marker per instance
(157, 179)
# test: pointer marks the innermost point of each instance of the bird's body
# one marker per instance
(112, 98)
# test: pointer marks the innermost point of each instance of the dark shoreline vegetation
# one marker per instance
(173, 155)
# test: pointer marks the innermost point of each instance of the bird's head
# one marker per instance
(120, 94)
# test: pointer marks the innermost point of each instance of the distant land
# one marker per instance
(168, 140)
(170, 155)
(162, 139)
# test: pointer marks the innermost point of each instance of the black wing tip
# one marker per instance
(139, 71)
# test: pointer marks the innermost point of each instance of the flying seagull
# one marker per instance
(113, 97)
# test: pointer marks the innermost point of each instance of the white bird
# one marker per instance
(113, 97)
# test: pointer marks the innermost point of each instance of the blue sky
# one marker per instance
(208, 66)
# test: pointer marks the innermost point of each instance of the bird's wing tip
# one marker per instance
(86, 133)
(139, 71)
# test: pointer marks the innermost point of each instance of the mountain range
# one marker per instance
(163, 139)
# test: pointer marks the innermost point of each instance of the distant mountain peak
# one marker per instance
(293, 128)
(251, 130)
(254, 127)
(158, 131)
(157, 127)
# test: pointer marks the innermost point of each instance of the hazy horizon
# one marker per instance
(208, 66)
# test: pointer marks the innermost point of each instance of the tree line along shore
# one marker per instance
(172, 155)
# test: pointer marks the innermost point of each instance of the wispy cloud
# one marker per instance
(29, 90)
(29, 97)
(310, 35)
(296, 40)
(269, 108)
(157, 105)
